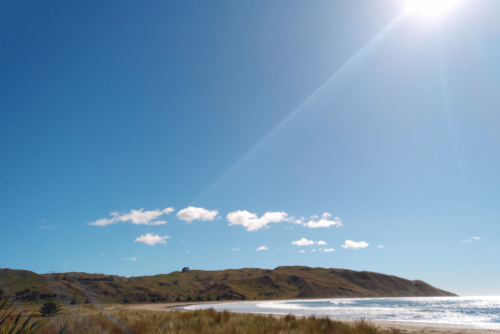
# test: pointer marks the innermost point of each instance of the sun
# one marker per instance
(430, 7)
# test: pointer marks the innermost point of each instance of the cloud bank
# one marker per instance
(191, 213)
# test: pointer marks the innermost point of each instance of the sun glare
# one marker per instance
(430, 7)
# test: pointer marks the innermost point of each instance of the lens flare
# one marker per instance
(430, 7)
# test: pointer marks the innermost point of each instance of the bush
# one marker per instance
(49, 308)
(73, 300)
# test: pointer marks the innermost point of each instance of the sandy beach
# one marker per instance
(410, 328)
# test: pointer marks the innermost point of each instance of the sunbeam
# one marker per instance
(357, 59)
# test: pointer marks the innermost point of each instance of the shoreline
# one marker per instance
(395, 326)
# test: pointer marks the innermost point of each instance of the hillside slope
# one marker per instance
(236, 284)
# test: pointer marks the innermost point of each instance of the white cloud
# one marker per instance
(381, 246)
(191, 213)
(302, 251)
(323, 222)
(303, 242)
(187, 251)
(354, 244)
(322, 243)
(151, 239)
(236, 249)
(252, 222)
(140, 217)
(47, 227)
(131, 259)
(328, 250)
(300, 221)
(471, 239)
(103, 222)
(261, 248)
(313, 250)
(137, 217)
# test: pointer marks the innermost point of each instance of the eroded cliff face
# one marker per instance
(236, 284)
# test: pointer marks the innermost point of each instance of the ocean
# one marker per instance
(466, 312)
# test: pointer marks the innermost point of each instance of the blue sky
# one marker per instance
(139, 138)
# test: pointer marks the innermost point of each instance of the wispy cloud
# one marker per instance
(236, 249)
(191, 213)
(354, 244)
(137, 217)
(313, 250)
(381, 246)
(47, 227)
(302, 251)
(261, 248)
(322, 243)
(103, 254)
(151, 239)
(328, 250)
(472, 239)
(131, 259)
(252, 222)
(315, 222)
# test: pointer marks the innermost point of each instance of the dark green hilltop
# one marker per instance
(231, 284)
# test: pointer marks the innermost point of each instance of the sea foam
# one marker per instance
(467, 312)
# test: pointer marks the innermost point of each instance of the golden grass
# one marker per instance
(88, 319)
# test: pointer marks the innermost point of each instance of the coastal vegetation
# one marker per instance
(12, 322)
(89, 319)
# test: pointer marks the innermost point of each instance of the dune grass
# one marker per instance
(87, 319)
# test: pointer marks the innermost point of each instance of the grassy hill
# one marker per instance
(236, 284)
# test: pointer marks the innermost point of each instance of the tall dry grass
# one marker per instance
(90, 320)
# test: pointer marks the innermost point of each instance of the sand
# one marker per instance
(401, 327)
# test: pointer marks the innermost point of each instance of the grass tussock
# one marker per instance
(90, 320)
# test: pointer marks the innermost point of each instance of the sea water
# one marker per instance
(467, 312)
